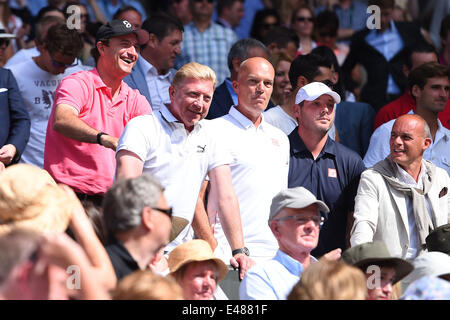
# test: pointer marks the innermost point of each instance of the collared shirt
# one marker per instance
(88, 167)
(178, 159)
(230, 89)
(332, 177)
(273, 279)
(209, 47)
(158, 85)
(388, 43)
(259, 168)
(121, 259)
(438, 152)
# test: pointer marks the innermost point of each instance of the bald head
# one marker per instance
(410, 137)
(254, 87)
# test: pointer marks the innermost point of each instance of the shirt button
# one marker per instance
(406, 246)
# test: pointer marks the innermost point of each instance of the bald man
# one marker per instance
(403, 197)
(260, 163)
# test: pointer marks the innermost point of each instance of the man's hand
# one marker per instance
(7, 153)
(333, 255)
(109, 141)
(243, 261)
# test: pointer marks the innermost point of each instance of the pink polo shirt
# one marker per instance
(86, 167)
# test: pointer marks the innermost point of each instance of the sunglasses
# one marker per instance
(166, 211)
(4, 42)
(328, 83)
(300, 219)
(303, 19)
(209, 1)
(58, 64)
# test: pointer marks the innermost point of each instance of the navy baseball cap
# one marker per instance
(116, 28)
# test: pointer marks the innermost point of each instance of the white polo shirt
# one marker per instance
(259, 170)
(179, 160)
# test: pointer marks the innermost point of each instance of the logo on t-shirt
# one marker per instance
(332, 173)
(201, 149)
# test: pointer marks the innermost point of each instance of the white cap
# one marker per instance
(3, 33)
(314, 90)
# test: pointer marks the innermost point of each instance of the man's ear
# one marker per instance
(275, 227)
(301, 81)
(427, 143)
(272, 47)
(153, 41)
(416, 91)
(235, 85)
(171, 92)
(147, 218)
(236, 63)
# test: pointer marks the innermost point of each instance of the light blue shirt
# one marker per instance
(388, 43)
(233, 94)
(273, 279)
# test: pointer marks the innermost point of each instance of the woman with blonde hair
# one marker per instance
(330, 280)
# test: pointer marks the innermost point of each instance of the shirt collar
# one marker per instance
(148, 67)
(243, 120)
(292, 265)
(170, 118)
(98, 84)
(122, 252)
(441, 133)
(406, 178)
(298, 146)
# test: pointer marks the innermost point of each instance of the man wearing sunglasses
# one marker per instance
(295, 221)
(38, 78)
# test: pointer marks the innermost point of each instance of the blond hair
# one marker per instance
(194, 70)
(330, 280)
(146, 285)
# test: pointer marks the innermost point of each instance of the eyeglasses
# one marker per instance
(301, 219)
(166, 211)
(4, 42)
(303, 19)
(58, 64)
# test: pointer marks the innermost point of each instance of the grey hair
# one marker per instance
(125, 200)
(241, 49)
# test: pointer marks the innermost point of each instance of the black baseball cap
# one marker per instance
(116, 28)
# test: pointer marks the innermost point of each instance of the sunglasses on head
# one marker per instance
(303, 19)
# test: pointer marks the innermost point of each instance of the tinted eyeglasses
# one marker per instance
(301, 219)
(4, 42)
(303, 19)
(58, 64)
(166, 211)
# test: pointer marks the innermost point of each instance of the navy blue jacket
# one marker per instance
(14, 118)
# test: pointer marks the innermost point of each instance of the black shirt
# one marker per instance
(333, 178)
(122, 261)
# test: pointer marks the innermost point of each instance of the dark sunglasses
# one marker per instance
(58, 64)
(4, 42)
(328, 83)
(166, 211)
(303, 19)
(209, 1)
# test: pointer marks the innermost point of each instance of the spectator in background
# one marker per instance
(435, 264)
(14, 117)
(330, 280)
(195, 268)
(263, 21)
(419, 54)
(110, 7)
(303, 24)
(180, 9)
(281, 116)
(382, 54)
(352, 15)
(281, 39)
(429, 84)
(131, 14)
(204, 33)
(154, 72)
(38, 79)
(224, 96)
(444, 57)
(428, 288)
(230, 13)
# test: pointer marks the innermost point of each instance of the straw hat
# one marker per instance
(195, 250)
(30, 198)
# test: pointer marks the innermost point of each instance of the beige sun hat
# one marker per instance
(195, 250)
(30, 198)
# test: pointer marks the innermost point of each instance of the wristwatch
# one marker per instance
(243, 250)
(98, 137)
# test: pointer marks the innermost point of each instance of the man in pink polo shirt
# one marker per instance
(90, 112)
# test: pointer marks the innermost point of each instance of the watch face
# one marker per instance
(246, 251)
